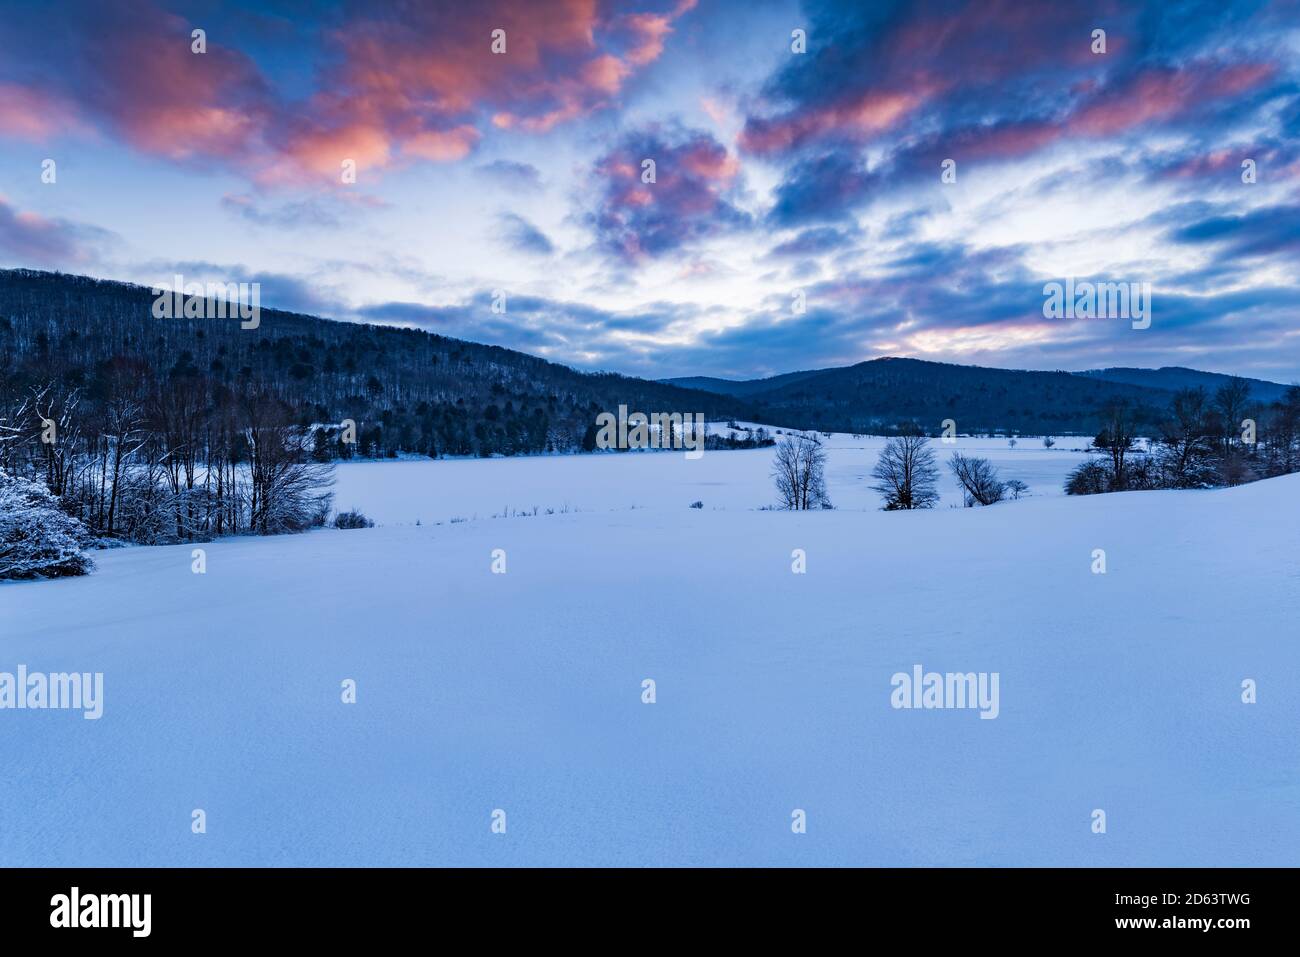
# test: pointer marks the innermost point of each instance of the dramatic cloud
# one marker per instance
(990, 82)
(128, 69)
(396, 82)
(690, 198)
(1170, 158)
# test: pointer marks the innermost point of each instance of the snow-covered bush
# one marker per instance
(37, 540)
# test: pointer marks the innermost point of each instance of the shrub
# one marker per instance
(352, 519)
(1088, 478)
(978, 479)
(37, 540)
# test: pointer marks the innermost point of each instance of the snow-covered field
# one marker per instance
(523, 691)
(412, 490)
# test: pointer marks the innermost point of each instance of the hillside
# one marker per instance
(408, 390)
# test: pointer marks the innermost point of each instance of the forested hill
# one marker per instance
(871, 396)
(414, 391)
(1173, 378)
(407, 390)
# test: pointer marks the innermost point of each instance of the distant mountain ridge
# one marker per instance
(1173, 378)
(877, 393)
(741, 388)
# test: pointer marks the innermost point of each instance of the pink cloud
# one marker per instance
(30, 239)
(710, 161)
(862, 116)
(920, 60)
(406, 83)
(164, 99)
(1272, 164)
(434, 70)
(442, 146)
(33, 114)
(650, 30)
(1164, 95)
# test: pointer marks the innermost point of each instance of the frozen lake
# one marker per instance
(402, 492)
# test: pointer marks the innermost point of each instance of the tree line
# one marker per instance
(151, 462)
(1202, 440)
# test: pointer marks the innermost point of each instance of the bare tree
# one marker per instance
(1230, 403)
(57, 422)
(799, 471)
(1116, 439)
(978, 479)
(289, 492)
(1187, 450)
(179, 413)
(14, 426)
(1283, 431)
(906, 474)
(124, 437)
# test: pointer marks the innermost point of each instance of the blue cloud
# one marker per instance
(521, 235)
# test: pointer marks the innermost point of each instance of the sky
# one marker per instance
(799, 216)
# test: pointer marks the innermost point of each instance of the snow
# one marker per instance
(522, 691)
(410, 490)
